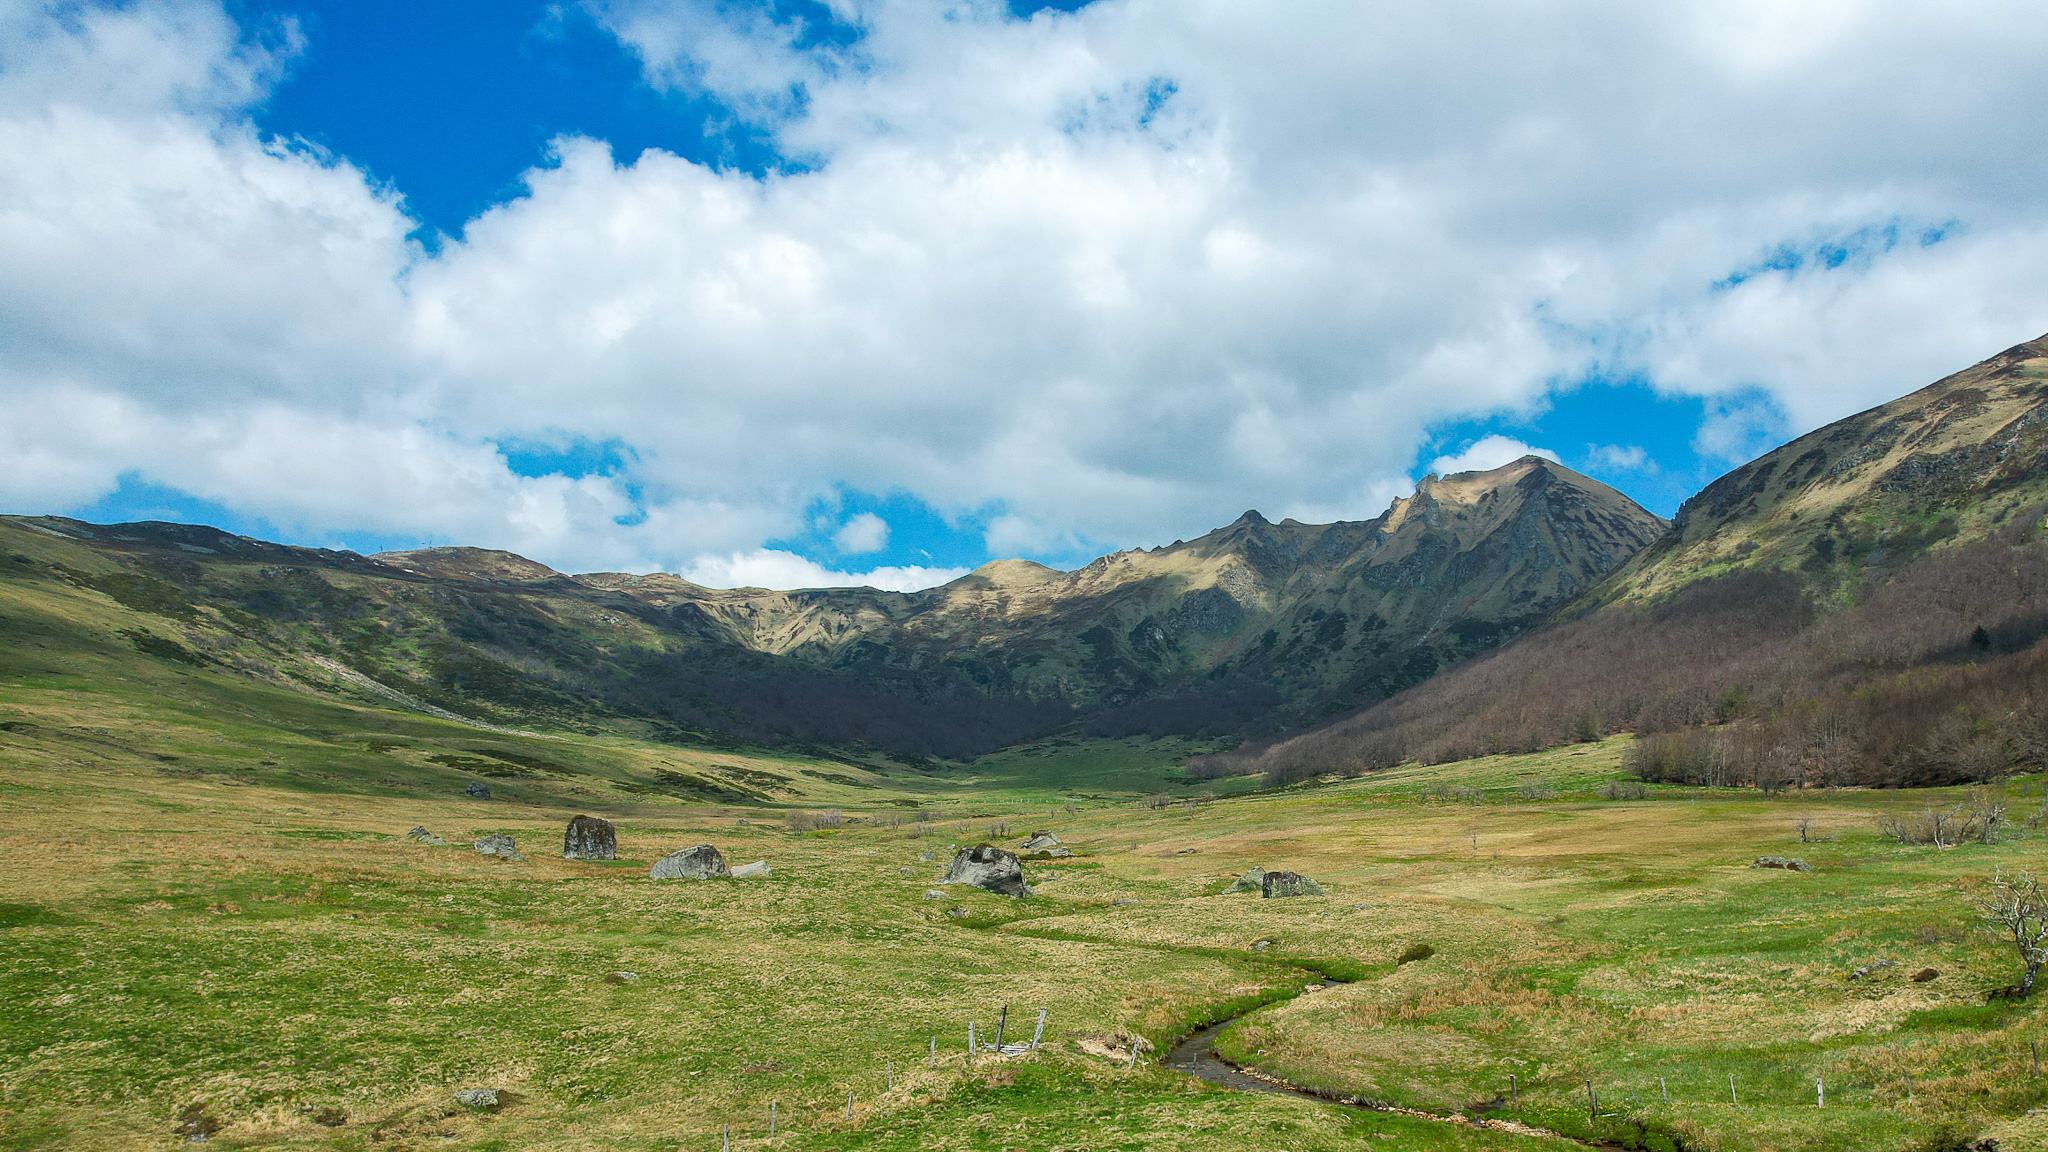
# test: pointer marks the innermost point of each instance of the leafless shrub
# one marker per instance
(2016, 910)
(830, 818)
(1623, 790)
(1536, 790)
(797, 820)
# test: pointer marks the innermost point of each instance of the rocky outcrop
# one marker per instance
(757, 870)
(1043, 845)
(1789, 863)
(420, 835)
(478, 789)
(990, 869)
(1254, 880)
(500, 845)
(697, 862)
(1279, 884)
(590, 838)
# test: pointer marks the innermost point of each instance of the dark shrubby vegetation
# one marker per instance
(1933, 673)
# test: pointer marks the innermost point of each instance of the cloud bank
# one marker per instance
(1116, 275)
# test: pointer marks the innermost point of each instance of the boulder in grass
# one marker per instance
(1789, 863)
(500, 845)
(990, 869)
(420, 835)
(479, 789)
(1278, 884)
(590, 838)
(480, 1099)
(1254, 880)
(698, 862)
(754, 871)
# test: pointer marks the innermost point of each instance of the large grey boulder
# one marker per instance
(419, 834)
(698, 862)
(480, 1099)
(754, 871)
(590, 838)
(1043, 838)
(500, 845)
(1254, 880)
(1043, 845)
(989, 868)
(1280, 884)
(479, 789)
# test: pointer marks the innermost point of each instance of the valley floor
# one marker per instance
(210, 917)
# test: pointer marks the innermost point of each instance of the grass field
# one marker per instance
(210, 915)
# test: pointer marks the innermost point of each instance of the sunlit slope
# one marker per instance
(1944, 465)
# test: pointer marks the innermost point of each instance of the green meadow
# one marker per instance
(212, 923)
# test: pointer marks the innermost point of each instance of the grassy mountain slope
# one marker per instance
(1862, 605)
(1204, 637)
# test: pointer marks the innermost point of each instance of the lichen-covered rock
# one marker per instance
(590, 838)
(500, 845)
(1278, 884)
(754, 871)
(481, 1099)
(422, 836)
(1789, 863)
(1254, 880)
(698, 862)
(1043, 838)
(990, 869)
(479, 789)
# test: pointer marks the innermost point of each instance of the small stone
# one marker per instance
(197, 1125)
(698, 862)
(742, 823)
(934, 894)
(1360, 907)
(1254, 880)
(957, 912)
(1279, 884)
(1924, 975)
(500, 845)
(479, 789)
(1789, 863)
(906, 870)
(1121, 903)
(623, 978)
(1874, 966)
(422, 836)
(989, 868)
(590, 838)
(482, 1099)
(754, 871)
(1261, 945)
(1186, 852)
(924, 856)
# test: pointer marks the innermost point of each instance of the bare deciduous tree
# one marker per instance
(2015, 908)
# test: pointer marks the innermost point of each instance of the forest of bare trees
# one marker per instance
(1924, 673)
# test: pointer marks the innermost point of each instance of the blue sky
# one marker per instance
(790, 293)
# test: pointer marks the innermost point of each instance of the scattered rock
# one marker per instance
(423, 836)
(1121, 903)
(1043, 838)
(1113, 1045)
(1360, 907)
(479, 789)
(924, 856)
(1252, 881)
(934, 894)
(906, 870)
(990, 869)
(1874, 966)
(1789, 863)
(1924, 975)
(481, 1099)
(197, 1125)
(1049, 854)
(754, 871)
(1049, 879)
(500, 845)
(623, 978)
(1186, 852)
(957, 912)
(590, 838)
(698, 862)
(1261, 945)
(742, 823)
(1280, 884)
(1043, 845)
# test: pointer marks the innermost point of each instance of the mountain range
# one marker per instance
(1900, 537)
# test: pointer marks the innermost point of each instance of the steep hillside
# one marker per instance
(1862, 605)
(1255, 623)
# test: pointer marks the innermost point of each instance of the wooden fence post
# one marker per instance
(1820, 1092)
(1731, 1089)
(1592, 1103)
(1664, 1088)
(849, 1105)
(1039, 1031)
(932, 1061)
(771, 1118)
(1514, 1094)
(728, 1138)
(1000, 1022)
(889, 1069)
(970, 1043)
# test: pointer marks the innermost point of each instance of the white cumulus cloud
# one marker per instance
(774, 568)
(1486, 453)
(864, 532)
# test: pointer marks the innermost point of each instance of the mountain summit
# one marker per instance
(1254, 625)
